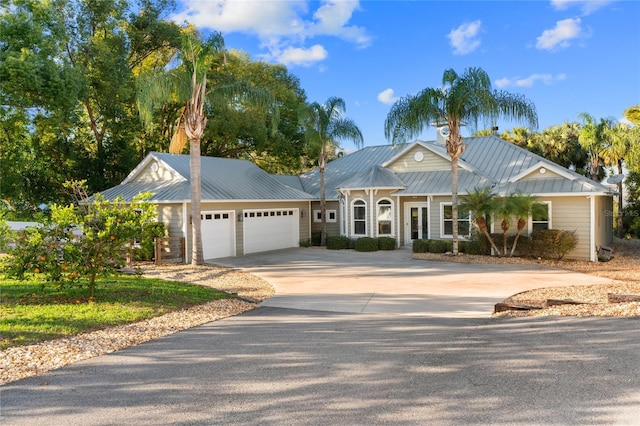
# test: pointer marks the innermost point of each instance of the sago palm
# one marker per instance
(463, 98)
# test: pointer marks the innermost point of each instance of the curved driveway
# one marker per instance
(393, 282)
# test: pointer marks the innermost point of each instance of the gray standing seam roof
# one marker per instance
(222, 179)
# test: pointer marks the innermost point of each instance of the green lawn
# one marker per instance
(34, 311)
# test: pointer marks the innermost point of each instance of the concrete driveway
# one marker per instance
(392, 282)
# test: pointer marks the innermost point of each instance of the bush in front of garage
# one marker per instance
(386, 243)
(366, 244)
(338, 243)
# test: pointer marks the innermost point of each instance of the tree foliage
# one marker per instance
(81, 241)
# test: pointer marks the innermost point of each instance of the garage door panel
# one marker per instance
(270, 230)
(218, 234)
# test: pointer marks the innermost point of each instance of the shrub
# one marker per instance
(470, 247)
(386, 243)
(421, 246)
(150, 231)
(352, 243)
(316, 237)
(553, 243)
(438, 246)
(338, 243)
(366, 244)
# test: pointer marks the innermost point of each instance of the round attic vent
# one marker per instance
(543, 170)
(418, 156)
(154, 166)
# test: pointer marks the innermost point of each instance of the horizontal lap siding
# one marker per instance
(333, 228)
(431, 161)
(572, 214)
(171, 216)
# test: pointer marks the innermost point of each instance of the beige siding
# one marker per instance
(161, 174)
(537, 175)
(572, 214)
(431, 161)
(171, 216)
(333, 228)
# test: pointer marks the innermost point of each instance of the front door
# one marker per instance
(416, 222)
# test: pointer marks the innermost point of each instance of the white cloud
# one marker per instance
(560, 35)
(386, 97)
(530, 80)
(586, 6)
(464, 38)
(282, 26)
(301, 56)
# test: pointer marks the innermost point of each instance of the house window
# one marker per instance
(464, 221)
(332, 216)
(541, 220)
(359, 218)
(385, 217)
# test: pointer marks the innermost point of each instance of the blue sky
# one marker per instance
(567, 56)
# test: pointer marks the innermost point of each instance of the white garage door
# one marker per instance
(217, 234)
(270, 229)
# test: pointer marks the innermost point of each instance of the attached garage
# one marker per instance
(270, 229)
(218, 236)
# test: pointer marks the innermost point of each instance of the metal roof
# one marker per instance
(438, 182)
(338, 171)
(222, 179)
(375, 177)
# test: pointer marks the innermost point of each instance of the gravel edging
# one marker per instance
(31, 360)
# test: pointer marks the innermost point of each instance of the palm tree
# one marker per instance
(481, 203)
(594, 139)
(325, 126)
(463, 98)
(523, 206)
(504, 210)
(188, 84)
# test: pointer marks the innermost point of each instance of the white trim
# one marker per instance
(407, 217)
(143, 165)
(372, 216)
(377, 218)
(561, 171)
(398, 224)
(353, 224)
(317, 218)
(450, 236)
(593, 255)
(185, 232)
(549, 212)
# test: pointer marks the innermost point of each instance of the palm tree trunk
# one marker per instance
(454, 202)
(195, 167)
(521, 224)
(323, 200)
(620, 199)
(482, 224)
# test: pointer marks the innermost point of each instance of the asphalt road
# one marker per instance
(275, 366)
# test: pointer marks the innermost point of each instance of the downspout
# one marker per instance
(372, 215)
(592, 229)
(185, 231)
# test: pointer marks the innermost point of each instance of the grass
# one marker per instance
(34, 311)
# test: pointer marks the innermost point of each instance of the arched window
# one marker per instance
(385, 217)
(359, 217)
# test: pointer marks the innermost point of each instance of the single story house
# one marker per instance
(402, 192)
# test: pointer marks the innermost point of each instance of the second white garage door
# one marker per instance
(218, 236)
(270, 229)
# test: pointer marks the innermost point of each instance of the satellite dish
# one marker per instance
(615, 179)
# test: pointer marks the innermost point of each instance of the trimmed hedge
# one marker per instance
(338, 243)
(366, 244)
(421, 246)
(386, 243)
